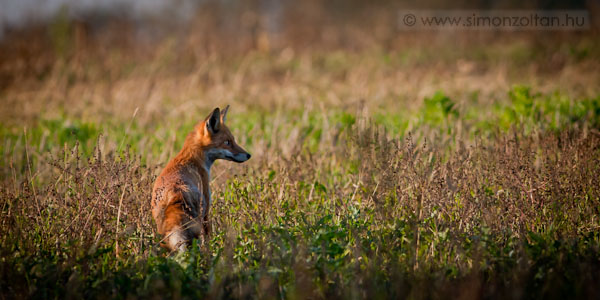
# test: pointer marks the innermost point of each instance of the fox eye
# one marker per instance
(227, 143)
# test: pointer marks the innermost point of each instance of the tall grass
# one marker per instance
(376, 173)
(362, 214)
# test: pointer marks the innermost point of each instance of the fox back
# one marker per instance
(181, 194)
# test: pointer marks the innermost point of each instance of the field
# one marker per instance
(430, 166)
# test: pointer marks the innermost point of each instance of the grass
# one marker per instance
(373, 175)
(350, 212)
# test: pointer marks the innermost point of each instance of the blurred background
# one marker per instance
(78, 56)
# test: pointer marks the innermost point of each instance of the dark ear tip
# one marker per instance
(213, 121)
(216, 113)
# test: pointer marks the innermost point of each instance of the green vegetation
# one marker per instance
(354, 213)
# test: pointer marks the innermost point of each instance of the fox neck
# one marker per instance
(195, 154)
(208, 162)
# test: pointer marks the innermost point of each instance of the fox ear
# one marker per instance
(224, 114)
(213, 122)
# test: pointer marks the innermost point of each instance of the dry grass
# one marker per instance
(413, 167)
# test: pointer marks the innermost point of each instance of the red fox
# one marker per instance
(181, 193)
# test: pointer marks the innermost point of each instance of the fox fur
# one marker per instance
(181, 195)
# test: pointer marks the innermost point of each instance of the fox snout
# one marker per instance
(227, 154)
(241, 157)
(237, 154)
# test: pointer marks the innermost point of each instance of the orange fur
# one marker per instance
(181, 193)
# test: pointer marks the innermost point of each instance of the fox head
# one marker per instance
(217, 140)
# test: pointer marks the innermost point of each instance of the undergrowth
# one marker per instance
(356, 212)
